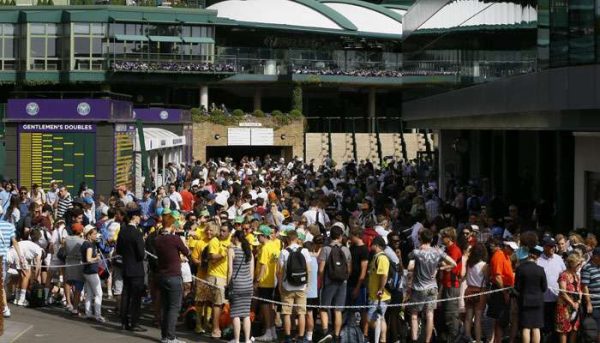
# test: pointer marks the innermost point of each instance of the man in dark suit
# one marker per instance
(130, 245)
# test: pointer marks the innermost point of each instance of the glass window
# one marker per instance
(186, 31)
(52, 29)
(117, 29)
(82, 47)
(37, 28)
(38, 47)
(8, 29)
(81, 28)
(9, 48)
(96, 46)
(98, 29)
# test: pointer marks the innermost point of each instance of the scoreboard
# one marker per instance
(62, 152)
(124, 155)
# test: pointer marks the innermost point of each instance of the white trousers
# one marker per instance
(93, 293)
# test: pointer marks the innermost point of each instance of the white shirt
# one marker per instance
(30, 250)
(176, 198)
(553, 266)
(414, 235)
(311, 216)
(283, 264)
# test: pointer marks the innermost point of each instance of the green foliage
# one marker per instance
(13, 3)
(280, 119)
(297, 98)
(50, 2)
(296, 114)
(259, 114)
(277, 113)
(238, 113)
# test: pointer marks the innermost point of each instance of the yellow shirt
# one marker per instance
(218, 268)
(269, 256)
(197, 255)
(195, 236)
(379, 266)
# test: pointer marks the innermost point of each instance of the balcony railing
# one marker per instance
(467, 71)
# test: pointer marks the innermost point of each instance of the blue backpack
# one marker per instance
(103, 240)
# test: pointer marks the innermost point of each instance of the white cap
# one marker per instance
(512, 245)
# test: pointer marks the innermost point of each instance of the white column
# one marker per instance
(164, 164)
(155, 164)
(204, 97)
(257, 99)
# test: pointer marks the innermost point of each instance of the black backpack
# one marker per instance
(337, 266)
(394, 279)
(296, 272)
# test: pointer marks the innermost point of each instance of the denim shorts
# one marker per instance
(377, 309)
(334, 294)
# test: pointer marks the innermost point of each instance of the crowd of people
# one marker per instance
(366, 72)
(146, 67)
(344, 253)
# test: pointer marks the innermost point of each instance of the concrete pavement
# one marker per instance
(55, 325)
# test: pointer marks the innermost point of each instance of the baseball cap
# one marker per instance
(239, 220)
(87, 229)
(548, 241)
(264, 230)
(511, 245)
(537, 250)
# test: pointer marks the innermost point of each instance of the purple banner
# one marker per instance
(57, 128)
(158, 115)
(67, 110)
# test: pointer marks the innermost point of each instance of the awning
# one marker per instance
(156, 138)
(202, 40)
(171, 39)
(131, 38)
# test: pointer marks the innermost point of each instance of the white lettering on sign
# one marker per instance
(249, 124)
(57, 127)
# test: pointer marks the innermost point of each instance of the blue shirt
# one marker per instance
(147, 207)
(311, 291)
(7, 233)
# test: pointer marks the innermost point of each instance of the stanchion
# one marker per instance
(2, 295)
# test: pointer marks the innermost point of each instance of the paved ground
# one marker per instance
(53, 324)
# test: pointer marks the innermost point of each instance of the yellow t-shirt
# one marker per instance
(197, 255)
(218, 268)
(379, 266)
(269, 256)
(195, 236)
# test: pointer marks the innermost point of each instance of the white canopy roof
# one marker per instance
(365, 19)
(156, 138)
(282, 12)
(474, 13)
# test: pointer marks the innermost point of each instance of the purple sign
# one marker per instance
(159, 115)
(57, 128)
(67, 110)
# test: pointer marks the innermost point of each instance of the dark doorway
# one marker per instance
(237, 152)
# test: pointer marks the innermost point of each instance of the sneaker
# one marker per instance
(23, 303)
(6, 312)
(199, 330)
(164, 340)
(326, 339)
(267, 337)
(176, 340)
(100, 319)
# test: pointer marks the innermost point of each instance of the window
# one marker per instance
(45, 49)
(592, 199)
(89, 42)
(8, 39)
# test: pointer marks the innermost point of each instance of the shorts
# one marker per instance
(472, 300)
(426, 298)
(596, 315)
(186, 272)
(361, 300)
(218, 293)
(377, 309)
(117, 279)
(203, 292)
(497, 306)
(293, 298)
(334, 294)
(77, 284)
(266, 293)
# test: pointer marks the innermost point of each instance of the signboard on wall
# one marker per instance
(65, 153)
(238, 136)
(249, 136)
(124, 146)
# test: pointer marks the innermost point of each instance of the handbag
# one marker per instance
(228, 288)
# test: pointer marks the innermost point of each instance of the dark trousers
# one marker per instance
(171, 293)
(131, 300)
(549, 322)
(450, 312)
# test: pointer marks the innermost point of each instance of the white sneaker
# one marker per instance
(23, 303)
(6, 312)
(267, 337)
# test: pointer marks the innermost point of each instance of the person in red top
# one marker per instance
(187, 203)
(451, 284)
(501, 276)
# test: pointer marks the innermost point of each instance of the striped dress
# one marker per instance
(241, 286)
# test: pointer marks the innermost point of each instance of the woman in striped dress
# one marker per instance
(239, 279)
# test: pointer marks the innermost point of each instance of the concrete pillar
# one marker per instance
(257, 99)
(371, 109)
(204, 97)
(164, 164)
(155, 165)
